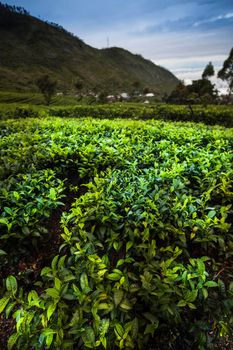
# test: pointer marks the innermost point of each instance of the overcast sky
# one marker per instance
(182, 36)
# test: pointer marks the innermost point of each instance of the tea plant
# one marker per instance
(210, 115)
(27, 201)
(147, 242)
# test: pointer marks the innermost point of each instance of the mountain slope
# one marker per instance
(30, 47)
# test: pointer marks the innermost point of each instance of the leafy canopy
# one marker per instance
(208, 71)
(47, 87)
(226, 73)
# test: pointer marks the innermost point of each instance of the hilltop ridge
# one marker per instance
(30, 47)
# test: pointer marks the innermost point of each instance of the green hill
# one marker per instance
(30, 47)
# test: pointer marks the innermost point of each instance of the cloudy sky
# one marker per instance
(180, 35)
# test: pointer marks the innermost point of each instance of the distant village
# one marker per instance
(123, 96)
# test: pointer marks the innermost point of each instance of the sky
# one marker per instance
(182, 36)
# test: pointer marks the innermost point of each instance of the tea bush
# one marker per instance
(25, 200)
(222, 115)
(147, 244)
(211, 115)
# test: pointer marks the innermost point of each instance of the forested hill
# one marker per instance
(30, 47)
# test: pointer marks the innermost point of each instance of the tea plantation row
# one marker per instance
(136, 220)
(211, 115)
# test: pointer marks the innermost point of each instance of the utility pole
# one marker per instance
(107, 42)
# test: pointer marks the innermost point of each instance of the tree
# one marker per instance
(208, 71)
(146, 90)
(47, 87)
(135, 88)
(79, 85)
(102, 97)
(179, 94)
(203, 88)
(226, 73)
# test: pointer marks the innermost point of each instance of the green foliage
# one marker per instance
(202, 87)
(208, 71)
(222, 115)
(179, 94)
(47, 86)
(200, 91)
(79, 85)
(27, 201)
(31, 100)
(226, 73)
(213, 114)
(147, 242)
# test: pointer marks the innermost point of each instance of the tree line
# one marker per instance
(16, 9)
(200, 91)
(203, 90)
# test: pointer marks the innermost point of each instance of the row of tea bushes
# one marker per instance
(146, 242)
(221, 115)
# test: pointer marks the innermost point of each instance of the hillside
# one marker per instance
(30, 47)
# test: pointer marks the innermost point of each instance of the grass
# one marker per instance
(32, 98)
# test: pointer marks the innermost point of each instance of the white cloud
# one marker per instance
(188, 76)
(229, 15)
(184, 52)
(178, 63)
(220, 85)
(214, 19)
